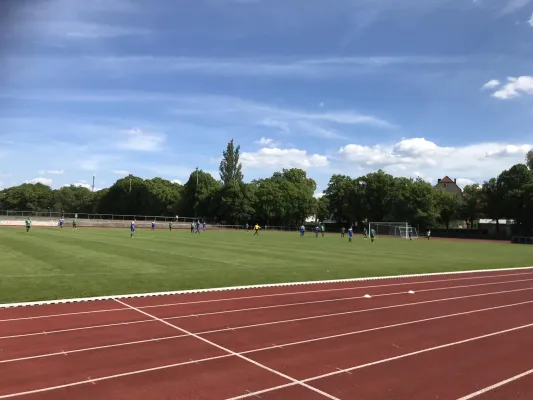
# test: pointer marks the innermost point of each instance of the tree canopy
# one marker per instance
(288, 198)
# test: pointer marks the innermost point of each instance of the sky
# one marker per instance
(418, 88)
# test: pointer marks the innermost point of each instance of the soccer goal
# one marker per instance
(394, 229)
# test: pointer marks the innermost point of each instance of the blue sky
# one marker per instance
(156, 88)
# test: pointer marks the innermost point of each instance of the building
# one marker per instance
(449, 186)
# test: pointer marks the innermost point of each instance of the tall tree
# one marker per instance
(230, 167)
(448, 207)
(471, 207)
(529, 159)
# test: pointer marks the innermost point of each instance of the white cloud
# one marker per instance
(136, 139)
(318, 195)
(491, 84)
(462, 182)
(417, 156)
(120, 172)
(266, 142)
(51, 172)
(44, 181)
(176, 181)
(530, 21)
(282, 158)
(515, 87)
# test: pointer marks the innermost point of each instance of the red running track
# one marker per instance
(458, 336)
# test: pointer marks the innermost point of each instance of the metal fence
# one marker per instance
(113, 217)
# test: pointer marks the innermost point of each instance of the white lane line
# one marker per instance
(281, 321)
(292, 304)
(228, 351)
(370, 364)
(496, 385)
(264, 295)
(163, 367)
(275, 345)
(337, 300)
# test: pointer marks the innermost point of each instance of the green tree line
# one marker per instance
(287, 198)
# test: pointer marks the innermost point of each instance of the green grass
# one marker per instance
(54, 264)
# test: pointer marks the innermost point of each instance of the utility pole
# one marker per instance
(93, 185)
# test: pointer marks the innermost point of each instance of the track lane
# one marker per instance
(58, 370)
(299, 361)
(277, 330)
(226, 377)
(325, 356)
(517, 387)
(445, 374)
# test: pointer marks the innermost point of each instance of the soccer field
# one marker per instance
(57, 264)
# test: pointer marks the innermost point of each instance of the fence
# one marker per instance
(112, 217)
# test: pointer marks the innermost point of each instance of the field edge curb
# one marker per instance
(235, 288)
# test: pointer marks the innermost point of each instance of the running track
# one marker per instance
(440, 336)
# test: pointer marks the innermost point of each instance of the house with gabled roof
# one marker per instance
(450, 186)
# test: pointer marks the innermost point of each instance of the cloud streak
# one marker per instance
(278, 67)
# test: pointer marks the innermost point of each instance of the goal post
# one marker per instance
(394, 229)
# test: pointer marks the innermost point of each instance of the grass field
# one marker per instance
(55, 264)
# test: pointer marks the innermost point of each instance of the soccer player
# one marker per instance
(365, 233)
(197, 227)
(192, 227)
(372, 235)
(132, 227)
(153, 225)
(247, 227)
(75, 223)
(428, 234)
(322, 229)
(256, 228)
(203, 226)
(170, 226)
(61, 222)
(410, 235)
(28, 224)
(316, 230)
(343, 229)
(350, 234)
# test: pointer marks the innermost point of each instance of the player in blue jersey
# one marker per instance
(153, 225)
(61, 222)
(197, 227)
(204, 226)
(316, 230)
(132, 227)
(350, 234)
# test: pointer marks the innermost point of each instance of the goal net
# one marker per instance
(394, 229)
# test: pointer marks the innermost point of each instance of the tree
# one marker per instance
(230, 167)
(529, 159)
(448, 207)
(471, 207)
(322, 208)
(493, 197)
(196, 198)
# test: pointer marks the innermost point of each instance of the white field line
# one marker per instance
(370, 364)
(167, 366)
(279, 322)
(283, 294)
(270, 285)
(496, 385)
(228, 351)
(273, 322)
